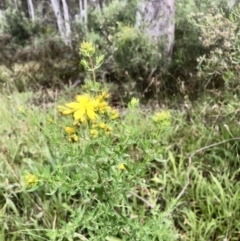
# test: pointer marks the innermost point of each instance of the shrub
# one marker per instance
(220, 37)
(195, 65)
(92, 185)
(18, 26)
(132, 59)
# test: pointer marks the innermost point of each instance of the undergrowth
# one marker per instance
(94, 173)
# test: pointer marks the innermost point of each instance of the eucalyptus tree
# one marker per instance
(156, 18)
(31, 9)
(63, 20)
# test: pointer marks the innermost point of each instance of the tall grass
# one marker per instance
(200, 149)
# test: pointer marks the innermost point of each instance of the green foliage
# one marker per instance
(132, 203)
(205, 52)
(211, 200)
(84, 186)
(136, 54)
(132, 58)
(117, 12)
(204, 56)
(44, 63)
(220, 37)
(171, 175)
(18, 26)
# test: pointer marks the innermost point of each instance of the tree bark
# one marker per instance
(67, 22)
(16, 4)
(156, 17)
(83, 10)
(31, 9)
(60, 20)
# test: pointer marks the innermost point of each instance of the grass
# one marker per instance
(146, 201)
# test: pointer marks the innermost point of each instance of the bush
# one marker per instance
(132, 59)
(47, 62)
(218, 67)
(91, 185)
(19, 27)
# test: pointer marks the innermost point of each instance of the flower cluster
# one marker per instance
(87, 49)
(72, 136)
(95, 111)
(100, 128)
(30, 180)
(163, 118)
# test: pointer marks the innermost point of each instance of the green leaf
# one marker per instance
(112, 238)
(84, 63)
(100, 191)
(11, 205)
(99, 60)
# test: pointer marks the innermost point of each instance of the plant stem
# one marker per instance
(93, 70)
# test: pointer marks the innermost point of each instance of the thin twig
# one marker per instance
(142, 199)
(190, 156)
(10, 168)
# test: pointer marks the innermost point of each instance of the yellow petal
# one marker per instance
(69, 130)
(74, 137)
(121, 167)
(105, 95)
(94, 133)
(91, 114)
(102, 125)
(79, 114)
(83, 99)
(73, 105)
(83, 119)
(67, 112)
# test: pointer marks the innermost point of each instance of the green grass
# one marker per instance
(146, 201)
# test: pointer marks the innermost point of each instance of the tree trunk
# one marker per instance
(31, 9)
(67, 22)
(156, 17)
(60, 21)
(83, 10)
(16, 4)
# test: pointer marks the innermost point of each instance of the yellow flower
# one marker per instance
(108, 130)
(30, 180)
(70, 130)
(73, 138)
(85, 108)
(64, 110)
(114, 114)
(20, 109)
(50, 120)
(94, 133)
(102, 106)
(161, 116)
(102, 125)
(94, 126)
(105, 95)
(121, 167)
(87, 49)
(76, 123)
